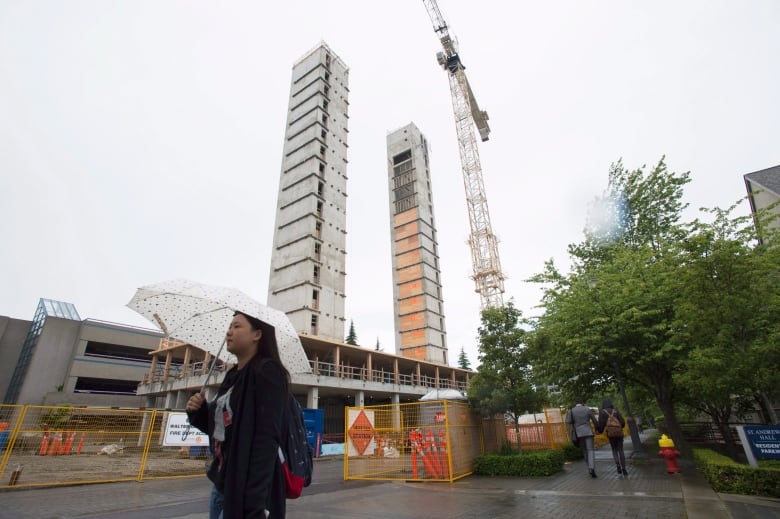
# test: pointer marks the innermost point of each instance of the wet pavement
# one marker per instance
(647, 492)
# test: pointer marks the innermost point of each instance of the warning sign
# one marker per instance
(179, 432)
(361, 432)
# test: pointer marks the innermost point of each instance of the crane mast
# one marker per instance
(487, 274)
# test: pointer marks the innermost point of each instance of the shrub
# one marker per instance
(506, 449)
(523, 464)
(725, 475)
(572, 453)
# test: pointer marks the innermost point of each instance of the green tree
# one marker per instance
(611, 319)
(463, 360)
(351, 336)
(503, 383)
(638, 209)
(378, 346)
(728, 317)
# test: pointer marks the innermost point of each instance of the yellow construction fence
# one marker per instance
(420, 441)
(44, 446)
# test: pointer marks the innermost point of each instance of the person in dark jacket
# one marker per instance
(616, 443)
(581, 417)
(244, 424)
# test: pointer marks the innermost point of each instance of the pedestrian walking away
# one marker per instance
(244, 424)
(615, 437)
(581, 418)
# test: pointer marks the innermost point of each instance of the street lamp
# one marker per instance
(639, 449)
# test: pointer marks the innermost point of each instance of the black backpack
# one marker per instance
(295, 453)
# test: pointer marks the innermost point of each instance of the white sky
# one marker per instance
(142, 140)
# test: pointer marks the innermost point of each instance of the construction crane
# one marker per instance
(487, 276)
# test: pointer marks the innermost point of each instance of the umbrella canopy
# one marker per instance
(442, 394)
(200, 314)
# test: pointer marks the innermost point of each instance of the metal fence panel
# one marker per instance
(420, 441)
(62, 445)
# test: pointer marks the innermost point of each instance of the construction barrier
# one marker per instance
(63, 445)
(420, 441)
(548, 432)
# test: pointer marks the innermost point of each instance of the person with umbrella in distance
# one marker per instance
(244, 424)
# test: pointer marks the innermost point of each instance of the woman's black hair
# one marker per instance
(267, 347)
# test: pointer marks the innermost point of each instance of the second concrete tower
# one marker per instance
(419, 308)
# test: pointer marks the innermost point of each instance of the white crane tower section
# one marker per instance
(487, 276)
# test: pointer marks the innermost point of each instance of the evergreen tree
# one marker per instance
(351, 336)
(463, 360)
(378, 347)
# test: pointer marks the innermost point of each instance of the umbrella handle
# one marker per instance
(213, 365)
(205, 382)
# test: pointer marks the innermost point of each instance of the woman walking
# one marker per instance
(244, 424)
(615, 440)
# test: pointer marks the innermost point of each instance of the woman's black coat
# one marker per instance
(251, 479)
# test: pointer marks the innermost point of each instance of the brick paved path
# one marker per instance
(647, 492)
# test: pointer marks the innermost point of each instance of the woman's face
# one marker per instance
(241, 338)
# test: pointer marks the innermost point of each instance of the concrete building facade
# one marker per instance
(420, 332)
(72, 361)
(763, 188)
(308, 272)
(342, 375)
(101, 364)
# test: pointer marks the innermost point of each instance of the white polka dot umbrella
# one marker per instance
(200, 315)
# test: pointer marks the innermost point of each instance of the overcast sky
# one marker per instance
(142, 140)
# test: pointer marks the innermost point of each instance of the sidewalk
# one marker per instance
(647, 492)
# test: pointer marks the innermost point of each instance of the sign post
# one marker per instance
(760, 442)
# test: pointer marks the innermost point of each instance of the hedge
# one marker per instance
(523, 464)
(572, 453)
(727, 476)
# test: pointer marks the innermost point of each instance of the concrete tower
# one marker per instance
(308, 259)
(419, 310)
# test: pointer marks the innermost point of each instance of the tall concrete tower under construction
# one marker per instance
(308, 271)
(419, 308)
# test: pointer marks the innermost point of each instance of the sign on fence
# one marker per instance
(761, 442)
(179, 432)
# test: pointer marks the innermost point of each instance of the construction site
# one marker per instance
(307, 283)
